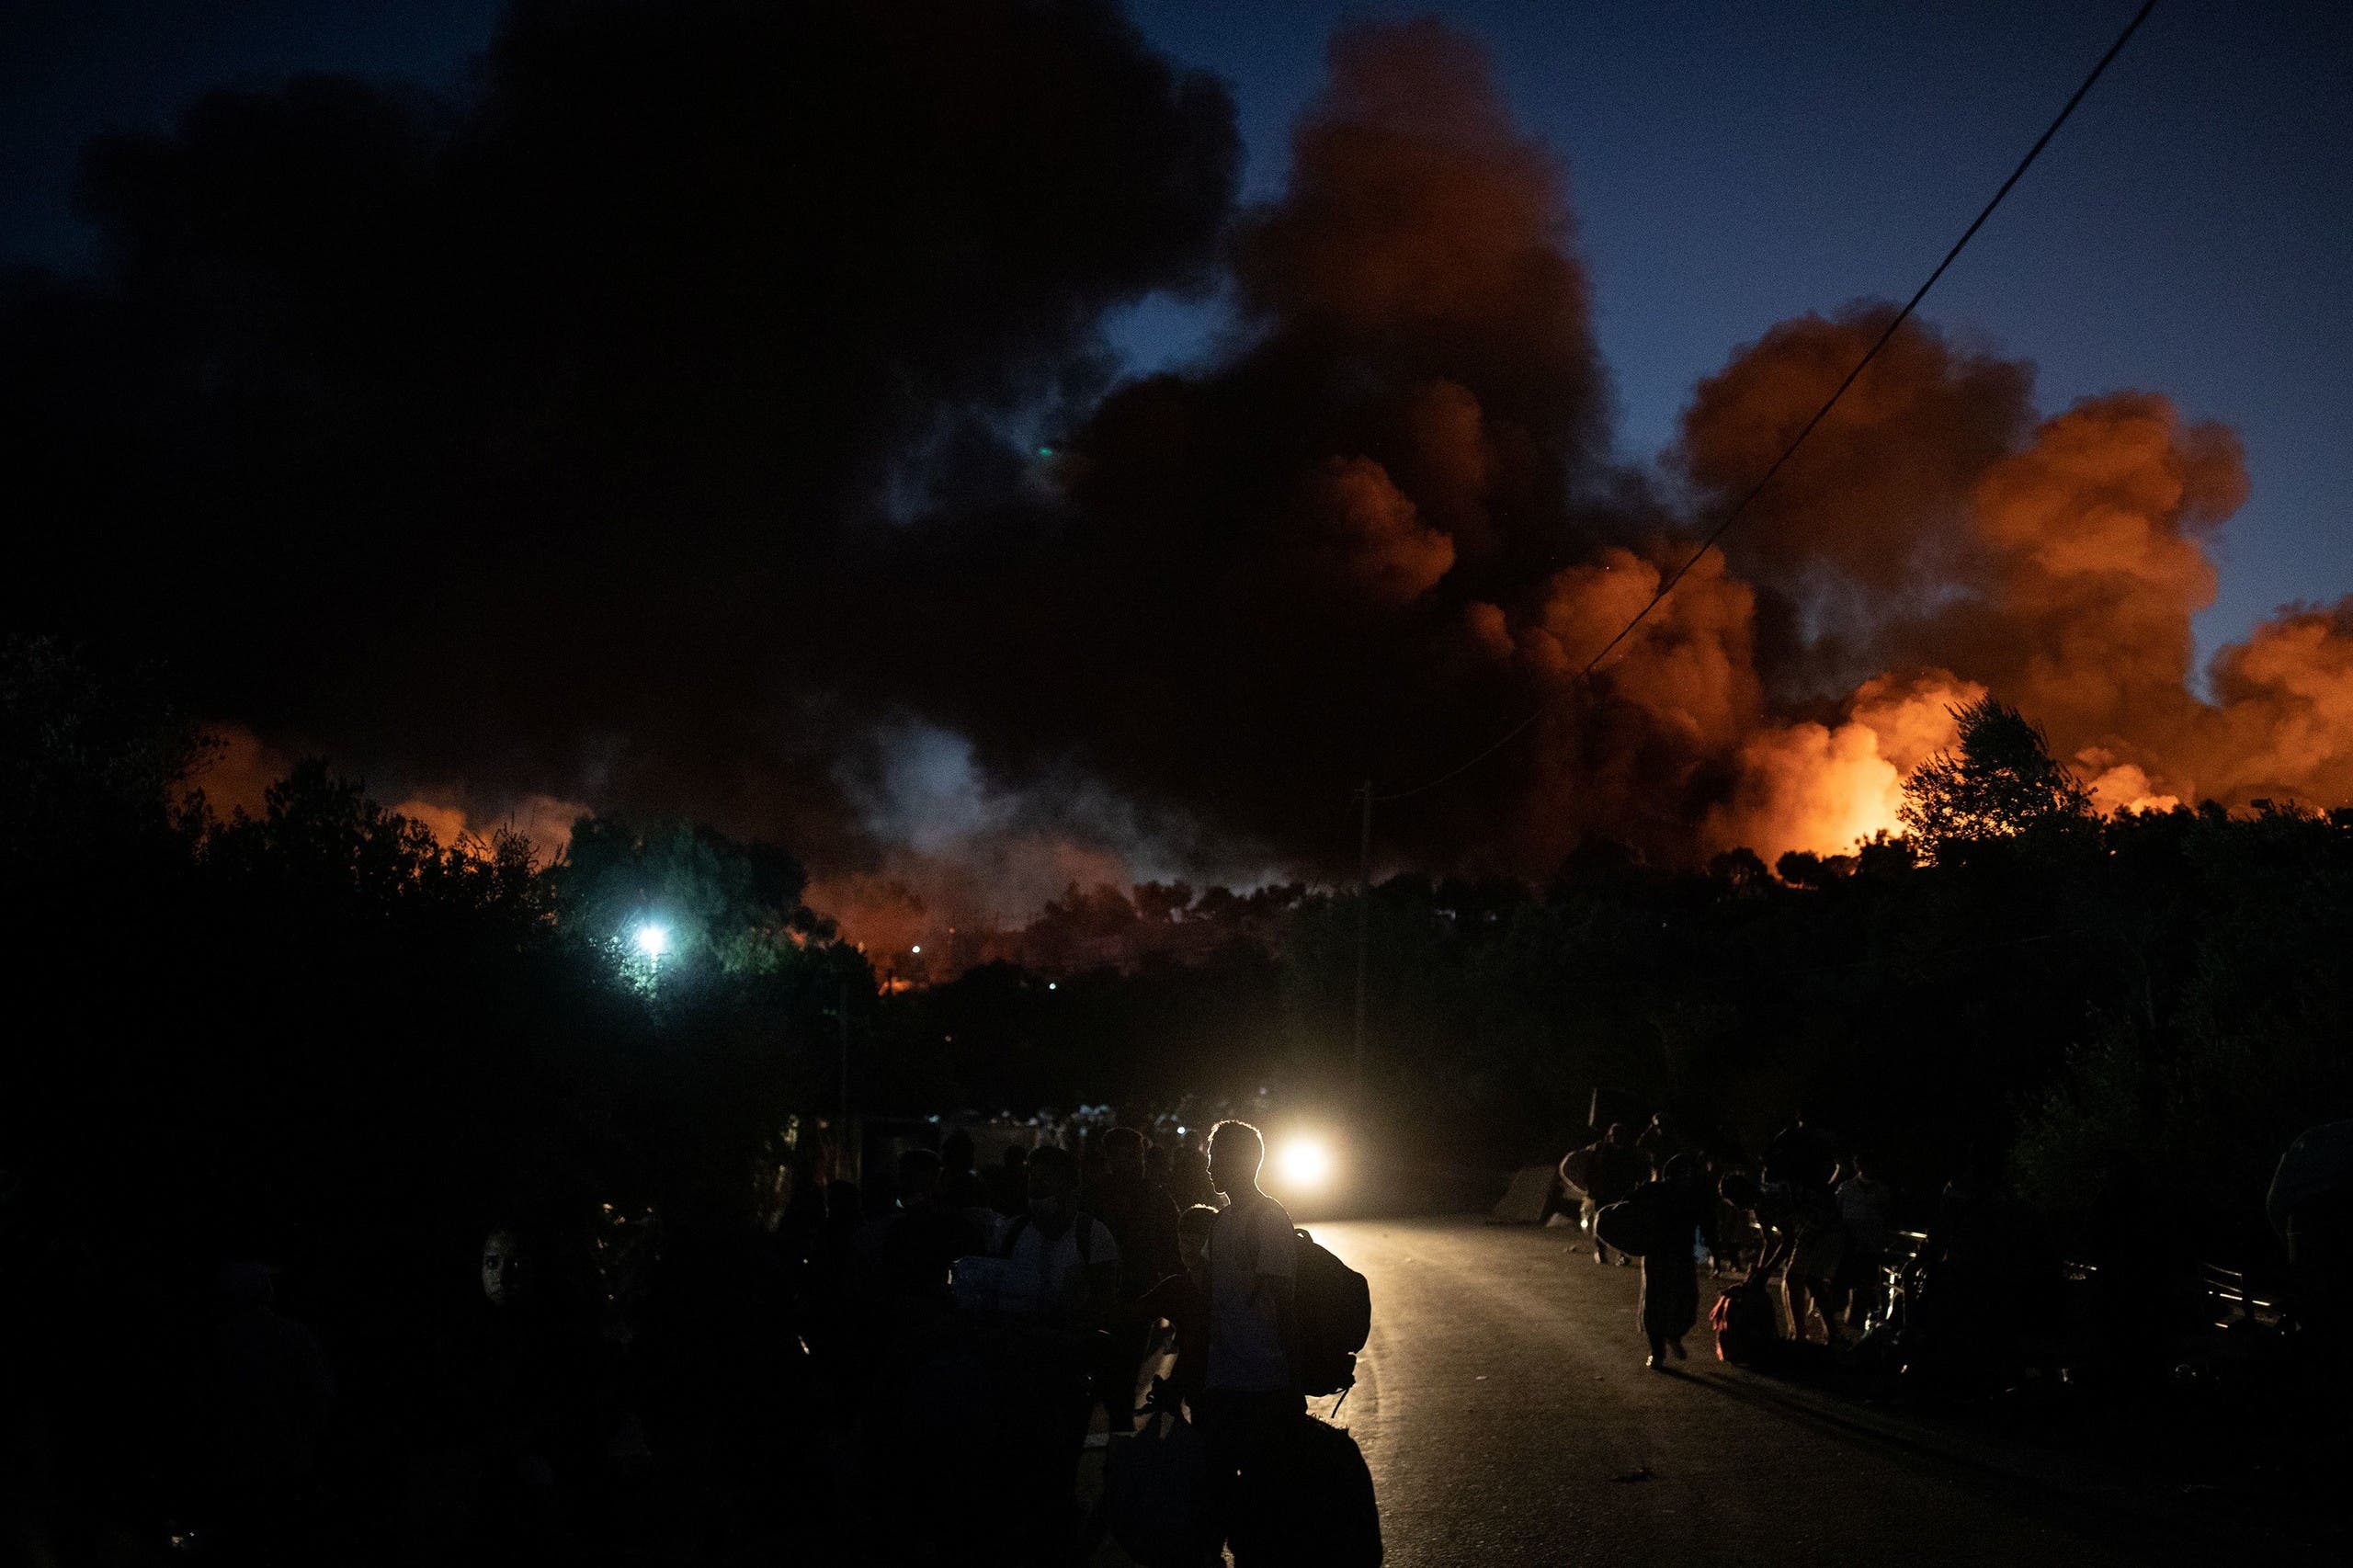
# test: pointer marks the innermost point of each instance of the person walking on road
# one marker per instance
(1249, 1400)
(1680, 1212)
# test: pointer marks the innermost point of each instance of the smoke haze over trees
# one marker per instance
(706, 413)
(286, 1019)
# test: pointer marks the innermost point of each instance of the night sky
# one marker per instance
(1729, 164)
(990, 437)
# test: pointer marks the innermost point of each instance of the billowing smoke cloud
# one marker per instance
(958, 852)
(2282, 725)
(2057, 564)
(517, 443)
(1332, 555)
(708, 413)
(1821, 786)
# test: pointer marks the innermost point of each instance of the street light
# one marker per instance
(653, 941)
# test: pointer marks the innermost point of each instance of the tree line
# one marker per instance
(319, 1028)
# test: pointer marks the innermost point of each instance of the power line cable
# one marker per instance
(1668, 585)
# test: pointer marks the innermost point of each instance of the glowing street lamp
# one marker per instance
(652, 941)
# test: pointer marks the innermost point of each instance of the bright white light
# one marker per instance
(917, 949)
(653, 941)
(1305, 1163)
(1053, 985)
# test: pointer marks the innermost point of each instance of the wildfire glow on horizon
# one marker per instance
(993, 628)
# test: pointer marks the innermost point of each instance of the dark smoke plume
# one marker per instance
(707, 413)
(523, 440)
(1259, 584)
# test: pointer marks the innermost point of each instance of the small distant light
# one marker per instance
(1053, 985)
(1045, 452)
(653, 941)
(917, 949)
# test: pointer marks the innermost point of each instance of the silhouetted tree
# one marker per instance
(1738, 871)
(1804, 868)
(738, 903)
(1999, 782)
(1161, 903)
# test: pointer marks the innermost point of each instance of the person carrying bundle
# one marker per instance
(1661, 1222)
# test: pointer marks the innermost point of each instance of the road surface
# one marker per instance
(1503, 1406)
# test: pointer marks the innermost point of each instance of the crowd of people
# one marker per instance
(905, 1370)
(1816, 1216)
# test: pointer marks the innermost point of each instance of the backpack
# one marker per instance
(1745, 1329)
(1331, 1317)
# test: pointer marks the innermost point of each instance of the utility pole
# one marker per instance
(1364, 911)
(841, 1013)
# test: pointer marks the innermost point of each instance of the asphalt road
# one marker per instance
(1503, 1406)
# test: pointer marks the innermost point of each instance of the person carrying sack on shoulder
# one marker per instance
(1249, 1398)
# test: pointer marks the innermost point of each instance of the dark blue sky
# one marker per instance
(1730, 165)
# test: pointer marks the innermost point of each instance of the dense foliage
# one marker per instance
(319, 1027)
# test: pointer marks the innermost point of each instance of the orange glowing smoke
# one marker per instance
(1937, 530)
(964, 901)
(238, 773)
(1822, 787)
(237, 776)
(1381, 524)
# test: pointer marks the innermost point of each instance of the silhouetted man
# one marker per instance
(961, 1185)
(1009, 1183)
(1065, 1272)
(923, 1236)
(1249, 1399)
(1682, 1210)
(1143, 1220)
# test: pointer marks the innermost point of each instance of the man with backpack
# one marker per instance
(1248, 1397)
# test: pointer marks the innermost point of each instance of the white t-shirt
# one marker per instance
(1252, 1240)
(1051, 1277)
